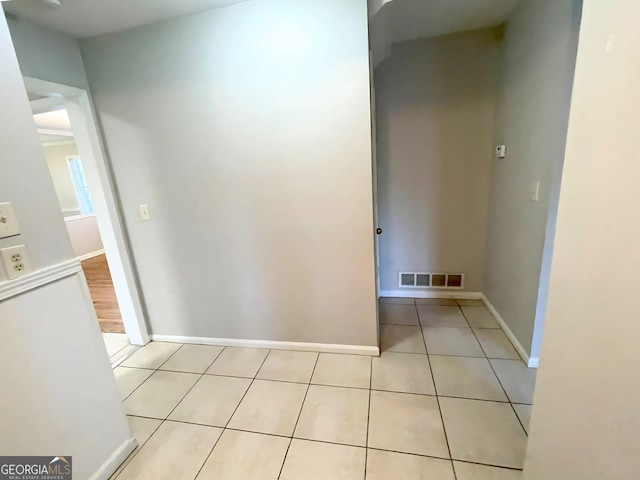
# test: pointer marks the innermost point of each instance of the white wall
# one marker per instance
(60, 393)
(84, 234)
(531, 119)
(47, 55)
(247, 131)
(435, 102)
(56, 156)
(586, 418)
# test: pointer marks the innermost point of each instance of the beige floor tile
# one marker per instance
(142, 428)
(495, 343)
(442, 317)
(466, 377)
(334, 414)
(159, 394)
(524, 414)
(452, 341)
(472, 471)
(479, 317)
(396, 300)
(394, 314)
(390, 465)
(342, 370)
(470, 303)
(441, 302)
(270, 407)
(176, 451)
(401, 338)
(238, 362)
(402, 372)
(483, 432)
(288, 366)
(192, 358)
(517, 379)
(114, 342)
(128, 379)
(406, 423)
(323, 461)
(211, 401)
(245, 456)
(152, 355)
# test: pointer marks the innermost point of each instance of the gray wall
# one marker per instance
(435, 113)
(60, 394)
(247, 131)
(585, 418)
(47, 55)
(531, 119)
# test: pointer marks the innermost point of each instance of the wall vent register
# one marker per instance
(431, 280)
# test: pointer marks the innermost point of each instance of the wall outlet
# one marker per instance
(15, 261)
(8, 222)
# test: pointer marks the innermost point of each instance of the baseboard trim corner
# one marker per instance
(89, 255)
(114, 461)
(507, 331)
(455, 294)
(275, 345)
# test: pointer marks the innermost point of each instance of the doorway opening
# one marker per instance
(82, 181)
(469, 154)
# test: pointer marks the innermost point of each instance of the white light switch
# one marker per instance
(15, 261)
(501, 151)
(144, 212)
(535, 191)
(8, 222)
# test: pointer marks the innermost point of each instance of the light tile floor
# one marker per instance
(444, 401)
(118, 346)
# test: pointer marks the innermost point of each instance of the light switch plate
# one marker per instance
(8, 221)
(535, 191)
(15, 261)
(145, 215)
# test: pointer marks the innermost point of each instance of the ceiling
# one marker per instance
(394, 21)
(53, 126)
(87, 18)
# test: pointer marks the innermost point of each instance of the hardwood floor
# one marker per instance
(103, 294)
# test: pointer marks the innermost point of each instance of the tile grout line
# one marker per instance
(162, 421)
(331, 443)
(299, 414)
(435, 389)
(133, 454)
(153, 369)
(340, 386)
(232, 414)
(366, 443)
(308, 383)
(498, 378)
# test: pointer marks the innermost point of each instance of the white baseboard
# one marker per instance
(116, 459)
(456, 294)
(89, 255)
(307, 347)
(531, 362)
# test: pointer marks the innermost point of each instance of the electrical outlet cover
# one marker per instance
(15, 261)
